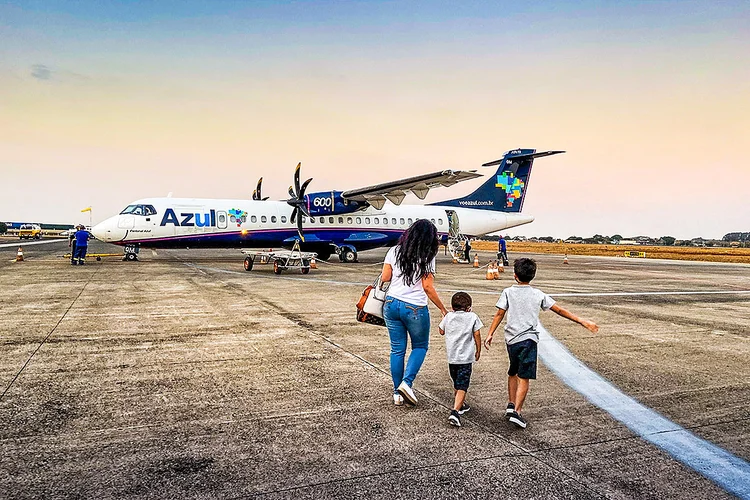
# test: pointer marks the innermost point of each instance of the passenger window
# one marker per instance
(273, 218)
(330, 220)
(367, 220)
(253, 218)
(410, 222)
(304, 219)
(263, 218)
(385, 221)
(440, 222)
(283, 219)
(433, 221)
(348, 220)
(359, 220)
(312, 220)
(402, 221)
(341, 220)
(322, 220)
(377, 221)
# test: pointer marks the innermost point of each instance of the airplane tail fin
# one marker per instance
(506, 190)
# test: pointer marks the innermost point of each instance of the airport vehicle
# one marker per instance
(328, 222)
(30, 231)
(281, 259)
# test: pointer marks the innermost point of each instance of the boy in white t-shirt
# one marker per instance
(463, 344)
(520, 305)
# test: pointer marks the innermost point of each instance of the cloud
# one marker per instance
(41, 72)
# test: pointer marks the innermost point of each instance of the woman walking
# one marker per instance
(410, 267)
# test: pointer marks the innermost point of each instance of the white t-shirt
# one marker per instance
(522, 304)
(413, 294)
(459, 328)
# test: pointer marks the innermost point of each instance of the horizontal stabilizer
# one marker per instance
(521, 157)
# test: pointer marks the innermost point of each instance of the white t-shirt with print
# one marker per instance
(413, 294)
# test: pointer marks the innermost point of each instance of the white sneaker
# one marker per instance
(398, 400)
(407, 393)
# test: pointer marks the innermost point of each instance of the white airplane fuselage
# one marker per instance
(196, 223)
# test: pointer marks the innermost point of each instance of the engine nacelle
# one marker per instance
(330, 203)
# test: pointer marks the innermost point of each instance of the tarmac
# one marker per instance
(183, 376)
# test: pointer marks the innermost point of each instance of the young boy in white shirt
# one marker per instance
(522, 304)
(463, 344)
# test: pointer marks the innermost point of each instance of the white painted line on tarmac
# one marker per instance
(728, 471)
(485, 292)
(22, 243)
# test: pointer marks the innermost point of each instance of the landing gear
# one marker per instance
(248, 264)
(131, 253)
(305, 269)
(348, 255)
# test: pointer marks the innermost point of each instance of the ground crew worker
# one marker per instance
(72, 245)
(467, 251)
(502, 252)
(82, 244)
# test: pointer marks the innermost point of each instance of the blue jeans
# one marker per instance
(80, 252)
(403, 318)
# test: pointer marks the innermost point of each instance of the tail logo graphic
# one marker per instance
(512, 185)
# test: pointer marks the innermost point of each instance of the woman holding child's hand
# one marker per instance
(410, 268)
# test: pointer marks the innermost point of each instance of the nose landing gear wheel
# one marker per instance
(131, 257)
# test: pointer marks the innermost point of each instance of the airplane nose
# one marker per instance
(108, 231)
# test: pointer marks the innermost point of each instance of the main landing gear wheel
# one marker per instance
(348, 256)
(277, 267)
(131, 257)
(248, 264)
(305, 269)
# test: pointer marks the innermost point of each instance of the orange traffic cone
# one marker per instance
(498, 269)
(476, 260)
(490, 273)
(565, 260)
(313, 264)
(19, 255)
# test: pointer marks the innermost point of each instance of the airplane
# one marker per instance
(329, 222)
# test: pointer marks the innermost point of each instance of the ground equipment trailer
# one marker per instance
(281, 259)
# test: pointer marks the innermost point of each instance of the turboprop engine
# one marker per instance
(330, 203)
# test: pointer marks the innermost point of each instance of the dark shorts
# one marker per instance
(522, 359)
(461, 375)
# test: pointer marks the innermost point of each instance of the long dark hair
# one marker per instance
(416, 249)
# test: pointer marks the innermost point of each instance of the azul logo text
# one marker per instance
(187, 219)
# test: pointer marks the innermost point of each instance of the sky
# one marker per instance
(105, 102)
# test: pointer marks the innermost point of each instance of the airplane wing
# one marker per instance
(420, 185)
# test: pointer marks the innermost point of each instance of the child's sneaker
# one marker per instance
(464, 408)
(509, 410)
(407, 393)
(398, 400)
(517, 420)
(454, 418)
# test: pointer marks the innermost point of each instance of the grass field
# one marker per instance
(708, 254)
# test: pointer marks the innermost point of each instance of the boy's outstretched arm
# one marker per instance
(589, 325)
(499, 315)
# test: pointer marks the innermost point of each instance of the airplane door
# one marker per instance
(126, 222)
(221, 219)
(454, 228)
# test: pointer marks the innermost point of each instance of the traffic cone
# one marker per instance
(565, 260)
(498, 269)
(313, 264)
(455, 261)
(476, 260)
(490, 273)
(19, 255)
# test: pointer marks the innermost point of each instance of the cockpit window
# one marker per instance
(139, 210)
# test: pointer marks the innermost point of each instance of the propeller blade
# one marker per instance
(300, 231)
(291, 192)
(301, 193)
(294, 215)
(296, 177)
(255, 195)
